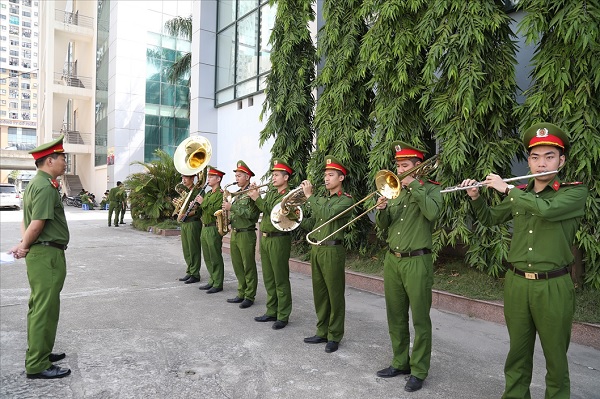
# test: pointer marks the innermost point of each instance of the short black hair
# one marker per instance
(39, 162)
(561, 151)
(119, 183)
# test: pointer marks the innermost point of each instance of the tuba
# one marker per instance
(290, 204)
(190, 158)
(223, 216)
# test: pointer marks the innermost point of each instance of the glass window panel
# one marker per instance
(167, 121)
(166, 136)
(247, 61)
(152, 120)
(246, 88)
(169, 54)
(153, 69)
(149, 152)
(181, 99)
(262, 82)
(183, 123)
(153, 39)
(165, 70)
(179, 135)
(225, 58)
(153, 92)
(267, 21)
(152, 136)
(184, 46)
(245, 6)
(225, 96)
(226, 13)
(169, 42)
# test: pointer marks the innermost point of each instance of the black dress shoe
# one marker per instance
(391, 372)
(213, 290)
(184, 278)
(116, 225)
(279, 324)
(237, 299)
(315, 339)
(192, 280)
(413, 384)
(50, 373)
(265, 318)
(205, 287)
(331, 346)
(121, 222)
(55, 357)
(246, 303)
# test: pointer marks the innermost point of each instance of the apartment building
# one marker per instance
(19, 72)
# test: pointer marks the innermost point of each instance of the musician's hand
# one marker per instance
(407, 180)
(495, 182)
(381, 203)
(471, 192)
(253, 193)
(307, 188)
(226, 206)
(199, 199)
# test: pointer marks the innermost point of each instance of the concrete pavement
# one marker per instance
(131, 330)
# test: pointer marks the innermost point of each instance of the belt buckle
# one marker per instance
(531, 276)
(265, 234)
(398, 254)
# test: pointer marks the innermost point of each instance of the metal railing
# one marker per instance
(72, 80)
(74, 137)
(73, 18)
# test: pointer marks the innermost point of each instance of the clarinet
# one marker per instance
(192, 205)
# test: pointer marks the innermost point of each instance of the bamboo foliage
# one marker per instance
(470, 96)
(566, 91)
(342, 118)
(289, 103)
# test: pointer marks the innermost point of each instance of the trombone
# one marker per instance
(388, 185)
(240, 192)
(480, 184)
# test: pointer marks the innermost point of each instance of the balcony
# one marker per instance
(73, 18)
(74, 137)
(72, 80)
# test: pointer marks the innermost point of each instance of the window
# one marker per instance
(243, 50)
(26, 76)
(14, 20)
(13, 61)
(14, 42)
(26, 14)
(13, 104)
(13, 93)
(27, 32)
(25, 86)
(27, 44)
(13, 115)
(2, 16)
(14, 52)
(27, 24)
(13, 30)
(25, 105)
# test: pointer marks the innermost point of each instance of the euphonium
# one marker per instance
(223, 216)
(178, 202)
(289, 205)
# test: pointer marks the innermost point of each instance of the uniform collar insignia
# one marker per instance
(556, 185)
(54, 183)
(339, 193)
(543, 132)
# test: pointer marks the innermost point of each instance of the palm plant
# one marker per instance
(181, 68)
(151, 192)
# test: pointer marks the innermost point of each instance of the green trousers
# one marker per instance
(46, 271)
(242, 249)
(192, 251)
(116, 208)
(329, 283)
(545, 307)
(407, 283)
(275, 256)
(212, 243)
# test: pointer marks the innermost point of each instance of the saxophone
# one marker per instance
(223, 216)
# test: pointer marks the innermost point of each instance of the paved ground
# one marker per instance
(131, 330)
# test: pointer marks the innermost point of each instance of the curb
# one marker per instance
(587, 334)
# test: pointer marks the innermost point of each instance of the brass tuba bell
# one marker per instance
(192, 155)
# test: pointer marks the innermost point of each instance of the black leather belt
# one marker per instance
(539, 275)
(417, 252)
(275, 234)
(330, 243)
(242, 230)
(209, 224)
(51, 244)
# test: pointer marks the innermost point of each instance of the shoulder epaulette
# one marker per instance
(433, 182)
(573, 183)
(522, 186)
(222, 191)
(347, 195)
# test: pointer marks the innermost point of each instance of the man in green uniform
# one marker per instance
(124, 205)
(191, 229)
(104, 201)
(275, 249)
(210, 238)
(328, 259)
(85, 200)
(243, 214)
(408, 266)
(115, 203)
(45, 236)
(538, 292)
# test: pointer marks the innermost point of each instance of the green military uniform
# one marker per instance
(275, 247)
(115, 204)
(409, 220)
(46, 265)
(212, 241)
(544, 227)
(191, 231)
(328, 260)
(244, 215)
(85, 200)
(104, 201)
(124, 205)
